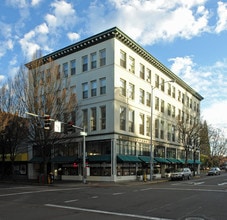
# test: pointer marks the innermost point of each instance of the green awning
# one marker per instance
(36, 160)
(65, 159)
(146, 159)
(174, 161)
(100, 158)
(161, 160)
(128, 159)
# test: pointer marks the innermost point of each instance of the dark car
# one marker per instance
(214, 171)
(181, 174)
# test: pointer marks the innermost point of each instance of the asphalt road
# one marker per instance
(196, 199)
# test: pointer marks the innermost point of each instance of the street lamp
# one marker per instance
(151, 128)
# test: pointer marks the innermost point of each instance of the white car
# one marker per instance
(181, 174)
(214, 171)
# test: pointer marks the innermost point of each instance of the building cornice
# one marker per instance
(122, 37)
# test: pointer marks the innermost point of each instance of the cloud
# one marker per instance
(216, 114)
(47, 34)
(63, 16)
(35, 2)
(210, 80)
(73, 36)
(2, 78)
(138, 18)
(222, 17)
(17, 3)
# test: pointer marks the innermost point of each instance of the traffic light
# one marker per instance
(75, 165)
(70, 127)
(47, 122)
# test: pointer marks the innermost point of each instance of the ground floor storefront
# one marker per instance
(111, 158)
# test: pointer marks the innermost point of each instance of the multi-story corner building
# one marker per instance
(117, 83)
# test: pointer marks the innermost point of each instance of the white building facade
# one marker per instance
(113, 79)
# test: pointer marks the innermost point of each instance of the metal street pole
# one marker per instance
(151, 129)
(83, 133)
(151, 132)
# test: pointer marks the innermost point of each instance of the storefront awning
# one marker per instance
(146, 159)
(36, 160)
(161, 160)
(174, 161)
(65, 159)
(128, 159)
(99, 158)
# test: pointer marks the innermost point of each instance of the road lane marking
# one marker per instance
(221, 184)
(38, 191)
(94, 197)
(116, 194)
(105, 212)
(73, 200)
(198, 183)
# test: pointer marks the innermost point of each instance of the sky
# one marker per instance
(187, 36)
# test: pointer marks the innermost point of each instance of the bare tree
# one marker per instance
(13, 128)
(189, 135)
(49, 94)
(218, 145)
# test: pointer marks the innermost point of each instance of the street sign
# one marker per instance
(57, 126)
(82, 133)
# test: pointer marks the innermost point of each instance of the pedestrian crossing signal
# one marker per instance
(47, 122)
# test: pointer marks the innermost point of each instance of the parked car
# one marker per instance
(181, 174)
(214, 171)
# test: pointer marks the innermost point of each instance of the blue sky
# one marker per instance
(187, 36)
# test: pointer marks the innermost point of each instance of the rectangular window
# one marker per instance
(187, 101)
(93, 60)
(148, 75)
(102, 83)
(73, 67)
(141, 124)
(122, 118)
(169, 89)
(93, 88)
(162, 130)
(173, 133)
(169, 110)
(174, 92)
(173, 111)
(131, 91)
(102, 57)
(156, 128)
(103, 117)
(148, 99)
(179, 95)
(169, 132)
(85, 118)
(65, 69)
(123, 59)
(183, 98)
(85, 90)
(85, 63)
(157, 103)
(162, 85)
(162, 106)
(142, 71)
(148, 127)
(157, 81)
(93, 119)
(123, 87)
(131, 120)
(131, 65)
(141, 98)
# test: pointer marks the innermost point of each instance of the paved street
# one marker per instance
(203, 198)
